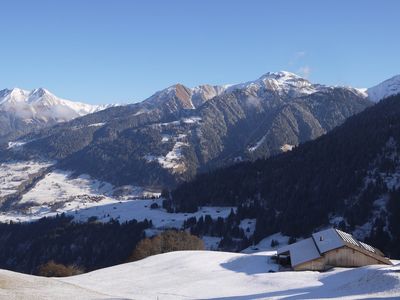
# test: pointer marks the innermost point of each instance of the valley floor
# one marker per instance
(207, 275)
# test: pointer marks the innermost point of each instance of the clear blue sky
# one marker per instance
(122, 51)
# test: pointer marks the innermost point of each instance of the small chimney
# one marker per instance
(321, 238)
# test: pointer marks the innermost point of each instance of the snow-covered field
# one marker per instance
(13, 174)
(207, 275)
(265, 244)
(121, 210)
(83, 197)
(58, 186)
(140, 210)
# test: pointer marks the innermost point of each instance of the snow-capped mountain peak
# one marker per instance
(282, 82)
(281, 75)
(40, 105)
(284, 78)
(40, 92)
(44, 97)
(384, 89)
(13, 95)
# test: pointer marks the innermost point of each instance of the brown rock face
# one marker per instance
(184, 95)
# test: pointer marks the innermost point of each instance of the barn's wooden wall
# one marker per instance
(313, 265)
(342, 257)
(347, 257)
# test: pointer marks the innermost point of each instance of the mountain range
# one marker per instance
(23, 111)
(277, 154)
(180, 131)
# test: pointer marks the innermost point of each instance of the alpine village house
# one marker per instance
(327, 249)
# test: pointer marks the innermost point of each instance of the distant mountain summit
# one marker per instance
(385, 89)
(282, 83)
(178, 96)
(22, 111)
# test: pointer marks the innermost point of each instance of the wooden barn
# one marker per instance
(327, 249)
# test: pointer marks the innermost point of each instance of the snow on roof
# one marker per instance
(321, 242)
(328, 239)
(301, 252)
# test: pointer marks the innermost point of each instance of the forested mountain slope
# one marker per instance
(349, 177)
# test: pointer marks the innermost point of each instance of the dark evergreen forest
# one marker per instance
(297, 192)
(24, 247)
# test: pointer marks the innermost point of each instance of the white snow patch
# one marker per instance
(265, 244)
(141, 111)
(170, 123)
(258, 144)
(191, 120)
(173, 159)
(96, 124)
(248, 225)
(165, 138)
(16, 144)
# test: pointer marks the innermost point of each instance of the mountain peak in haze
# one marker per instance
(40, 106)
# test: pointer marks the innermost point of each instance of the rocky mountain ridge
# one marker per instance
(179, 131)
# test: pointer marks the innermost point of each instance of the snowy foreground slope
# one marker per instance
(207, 275)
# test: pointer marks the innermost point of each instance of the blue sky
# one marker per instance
(101, 51)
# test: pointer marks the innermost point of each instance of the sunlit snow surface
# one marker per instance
(207, 275)
(384, 89)
(83, 197)
(13, 174)
(179, 275)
